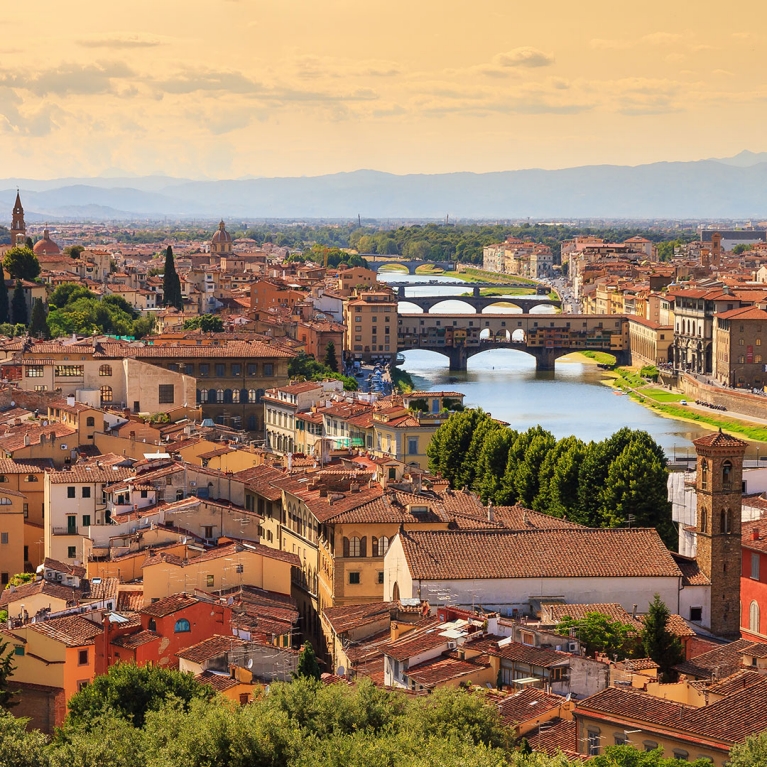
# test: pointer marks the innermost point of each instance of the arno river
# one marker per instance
(505, 383)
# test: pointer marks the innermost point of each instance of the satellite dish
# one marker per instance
(250, 662)
(340, 671)
(568, 697)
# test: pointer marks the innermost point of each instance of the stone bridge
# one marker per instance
(544, 336)
(478, 302)
(375, 262)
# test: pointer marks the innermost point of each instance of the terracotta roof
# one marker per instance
(66, 594)
(444, 669)
(736, 682)
(219, 682)
(557, 612)
(232, 349)
(61, 567)
(130, 598)
(526, 704)
(71, 630)
(561, 738)
(576, 553)
(349, 617)
(522, 653)
(210, 648)
(719, 439)
(692, 575)
(169, 605)
(721, 662)
(132, 641)
(91, 474)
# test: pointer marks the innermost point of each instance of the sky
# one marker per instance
(236, 88)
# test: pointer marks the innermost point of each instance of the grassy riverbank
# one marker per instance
(480, 275)
(665, 403)
(509, 291)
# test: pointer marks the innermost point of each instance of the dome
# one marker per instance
(46, 246)
(221, 235)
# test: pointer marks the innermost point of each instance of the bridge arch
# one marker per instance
(506, 307)
(439, 307)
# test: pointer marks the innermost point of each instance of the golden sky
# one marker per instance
(228, 88)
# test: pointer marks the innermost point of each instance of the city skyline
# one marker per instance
(226, 89)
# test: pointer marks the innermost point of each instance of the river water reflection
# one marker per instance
(571, 400)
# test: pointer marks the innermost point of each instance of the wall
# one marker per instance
(743, 402)
(44, 706)
(12, 526)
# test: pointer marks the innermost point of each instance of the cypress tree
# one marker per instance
(658, 642)
(19, 305)
(38, 325)
(308, 668)
(171, 284)
(331, 363)
(4, 316)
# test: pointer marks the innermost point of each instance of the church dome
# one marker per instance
(46, 246)
(221, 235)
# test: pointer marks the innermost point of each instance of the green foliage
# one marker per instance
(19, 748)
(208, 323)
(598, 633)
(308, 667)
(741, 247)
(21, 264)
(447, 452)
(68, 292)
(74, 251)
(3, 616)
(419, 405)
(19, 305)
(7, 667)
(336, 257)
(649, 371)
(304, 366)
(629, 756)
(4, 304)
(330, 361)
(20, 579)
(666, 249)
(171, 283)
(658, 642)
(11, 331)
(38, 325)
(751, 753)
(401, 380)
(129, 692)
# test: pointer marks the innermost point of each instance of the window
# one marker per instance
(35, 371)
(649, 745)
(354, 547)
(173, 367)
(4, 577)
(82, 658)
(354, 578)
(68, 371)
(182, 626)
(268, 369)
(106, 394)
(727, 475)
(207, 531)
(105, 370)
(236, 369)
(71, 492)
(90, 421)
(392, 472)
(704, 474)
(592, 739)
(380, 577)
(189, 368)
(209, 581)
(696, 614)
(252, 369)
(152, 625)
(725, 521)
(86, 492)
(753, 617)
(703, 520)
(71, 552)
(755, 566)
(204, 369)
(86, 520)
(621, 739)
(219, 396)
(166, 394)
(412, 445)
(681, 755)
(18, 650)
(26, 516)
(220, 370)
(383, 546)
(3, 538)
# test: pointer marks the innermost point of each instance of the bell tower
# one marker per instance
(18, 227)
(719, 485)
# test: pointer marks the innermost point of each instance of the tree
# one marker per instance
(130, 691)
(658, 642)
(751, 753)
(448, 452)
(308, 667)
(208, 323)
(19, 748)
(331, 361)
(68, 292)
(38, 326)
(74, 251)
(491, 463)
(4, 314)
(599, 633)
(21, 264)
(468, 474)
(630, 756)
(558, 480)
(6, 671)
(171, 284)
(19, 305)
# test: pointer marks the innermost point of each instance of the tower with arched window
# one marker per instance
(719, 489)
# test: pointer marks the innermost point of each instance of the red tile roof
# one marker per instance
(169, 605)
(342, 619)
(71, 630)
(210, 648)
(719, 439)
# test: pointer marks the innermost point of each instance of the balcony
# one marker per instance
(65, 530)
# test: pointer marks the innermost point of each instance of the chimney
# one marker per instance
(634, 612)
(490, 512)
(755, 534)
(70, 401)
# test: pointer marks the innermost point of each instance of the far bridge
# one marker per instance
(375, 262)
(544, 336)
(479, 302)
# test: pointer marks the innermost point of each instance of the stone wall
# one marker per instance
(743, 402)
(45, 707)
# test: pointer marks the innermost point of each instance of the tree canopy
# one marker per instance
(658, 642)
(208, 323)
(21, 264)
(597, 632)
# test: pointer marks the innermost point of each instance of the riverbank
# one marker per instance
(666, 404)
(470, 274)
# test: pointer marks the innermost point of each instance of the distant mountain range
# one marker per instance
(734, 187)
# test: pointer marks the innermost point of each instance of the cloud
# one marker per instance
(191, 80)
(66, 79)
(27, 123)
(122, 41)
(524, 57)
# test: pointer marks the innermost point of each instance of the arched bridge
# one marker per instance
(478, 303)
(544, 336)
(375, 262)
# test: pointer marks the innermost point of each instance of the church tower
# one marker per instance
(719, 486)
(18, 227)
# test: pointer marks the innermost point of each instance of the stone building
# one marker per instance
(740, 347)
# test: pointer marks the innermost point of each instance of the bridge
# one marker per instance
(542, 290)
(375, 262)
(544, 336)
(478, 302)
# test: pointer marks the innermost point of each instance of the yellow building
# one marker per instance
(220, 568)
(370, 320)
(12, 547)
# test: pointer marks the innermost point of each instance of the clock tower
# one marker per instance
(719, 488)
(18, 227)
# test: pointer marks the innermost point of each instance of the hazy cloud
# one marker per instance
(90, 79)
(122, 41)
(524, 57)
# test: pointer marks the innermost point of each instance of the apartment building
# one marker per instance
(371, 325)
(741, 347)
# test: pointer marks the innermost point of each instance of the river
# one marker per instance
(504, 382)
